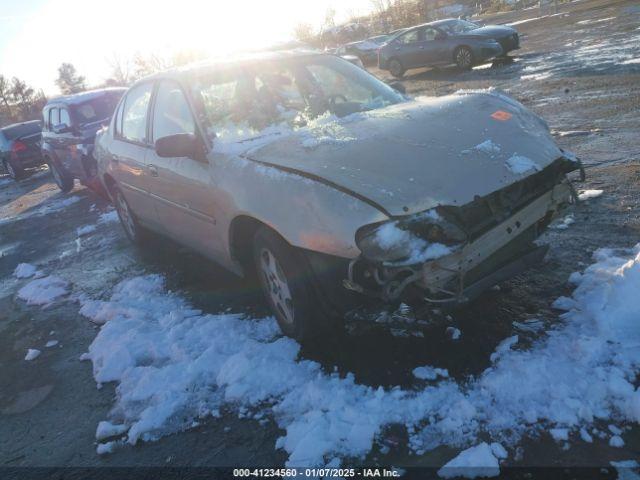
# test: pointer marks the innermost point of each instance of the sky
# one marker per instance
(36, 36)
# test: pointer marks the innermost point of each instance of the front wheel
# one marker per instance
(62, 178)
(463, 57)
(286, 283)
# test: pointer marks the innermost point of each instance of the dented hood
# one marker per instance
(414, 156)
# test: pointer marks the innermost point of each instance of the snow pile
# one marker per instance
(43, 291)
(390, 237)
(32, 354)
(488, 147)
(51, 343)
(175, 365)
(430, 373)
(107, 429)
(478, 461)
(25, 270)
(519, 164)
(564, 223)
(587, 194)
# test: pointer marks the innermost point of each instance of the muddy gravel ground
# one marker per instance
(578, 68)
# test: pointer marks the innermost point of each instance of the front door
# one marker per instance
(433, 48)
(181, 186)
(410, 47)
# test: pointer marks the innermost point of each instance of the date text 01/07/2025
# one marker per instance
(317, 472)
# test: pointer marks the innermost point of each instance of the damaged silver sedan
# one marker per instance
(329, 184)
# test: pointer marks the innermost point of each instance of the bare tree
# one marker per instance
(304, 33)
(121, 71)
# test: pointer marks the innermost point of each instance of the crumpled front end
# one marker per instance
(451, 254)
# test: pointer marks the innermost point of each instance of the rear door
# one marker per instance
(182, 186)
(129, 149)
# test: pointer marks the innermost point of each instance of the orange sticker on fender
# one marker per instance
(501, 115)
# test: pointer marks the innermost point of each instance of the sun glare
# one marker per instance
(123, 28)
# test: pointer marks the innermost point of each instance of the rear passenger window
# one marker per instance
(64, 117)
(134, 113)
(54, 118)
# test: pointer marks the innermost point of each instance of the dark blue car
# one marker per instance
(446, 42)
(69, 131)
(20, 147)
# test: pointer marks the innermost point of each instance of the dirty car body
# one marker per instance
(372, 192)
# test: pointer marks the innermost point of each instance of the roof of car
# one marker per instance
(82, 97)
(236, 59)
(21, 123)
(430, 24)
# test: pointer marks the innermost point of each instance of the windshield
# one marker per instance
(293, 91)
(455, 27)
(95, 109)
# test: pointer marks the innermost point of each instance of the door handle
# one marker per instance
(153, 170)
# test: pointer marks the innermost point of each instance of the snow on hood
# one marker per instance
(175, 366)
(414, 156)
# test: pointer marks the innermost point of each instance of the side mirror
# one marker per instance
(61, 128)
(178, 145)
(398, 87)
(440, 36)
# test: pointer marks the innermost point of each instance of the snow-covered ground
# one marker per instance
(176, 366)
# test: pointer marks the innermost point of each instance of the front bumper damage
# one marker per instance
(492, 256)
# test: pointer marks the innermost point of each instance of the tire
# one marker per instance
(132, 228)
(285, 279)
(396, 68)
(62, 178)
(14, 169)
(463, 57)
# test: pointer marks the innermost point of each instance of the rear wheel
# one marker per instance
(463, 57)
(132, 229)
(62, 178)
(14, 169)
(286, 282)
(396, 68)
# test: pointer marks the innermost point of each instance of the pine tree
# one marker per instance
(68, 80)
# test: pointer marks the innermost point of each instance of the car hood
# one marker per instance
(490, 31)
(416, 155)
